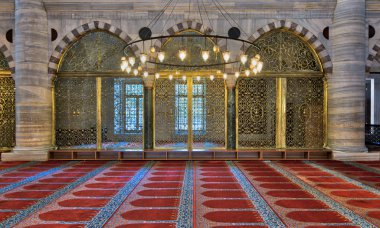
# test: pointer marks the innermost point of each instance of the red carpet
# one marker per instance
(163, 194)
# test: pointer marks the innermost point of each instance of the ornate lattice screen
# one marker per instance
(171, 113)
(304, 113)
(7, 112)
(208, 109)
(75, 109)
(94, 52)
(282, 51)
(256, 112)
(122, 113)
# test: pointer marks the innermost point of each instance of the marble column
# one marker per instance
(148, 112)
(33, 89)
(346, 85)
(231, 112)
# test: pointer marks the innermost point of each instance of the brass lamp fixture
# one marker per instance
(149, 62)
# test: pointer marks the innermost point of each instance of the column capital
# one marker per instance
(231, 81)
(148, 81)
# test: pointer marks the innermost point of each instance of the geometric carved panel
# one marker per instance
(75, 112)
(256, 112)
(282, 51)
(304, 113)
(7, 112)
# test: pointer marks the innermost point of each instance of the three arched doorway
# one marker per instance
(97, 106)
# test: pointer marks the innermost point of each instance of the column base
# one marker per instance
(26, 154)
(356, 156)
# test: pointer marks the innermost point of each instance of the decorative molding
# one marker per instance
(187, 25)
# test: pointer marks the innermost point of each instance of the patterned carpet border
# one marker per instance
(356, 219)
(269, 216)
(45, 201)
(35, 177)
(108, 210)
(185, 212)
(366, 168)
(24, 165)
(350, 180)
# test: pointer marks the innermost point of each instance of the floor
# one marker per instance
(220, 194)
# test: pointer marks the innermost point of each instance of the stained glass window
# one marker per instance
(128, 102)
(198, 105)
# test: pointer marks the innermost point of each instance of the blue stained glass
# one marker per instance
(128, 107)
(118, 126)
(198, 106)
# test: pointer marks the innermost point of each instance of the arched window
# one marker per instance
(97, 105)
(185, 109)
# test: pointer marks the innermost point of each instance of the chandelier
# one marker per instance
(212, 62)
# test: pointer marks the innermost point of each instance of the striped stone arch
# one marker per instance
(302, 32)
(76, 34)
(8, 56)
(185, 25)
(374, 54)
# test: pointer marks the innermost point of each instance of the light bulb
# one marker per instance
(218, 72)
(123, 58)
(170, 76)
(260, 66)
(161, 56)
(257, 57)
(226, 56)
(237, 74)
(198, 78)
(184, 77)
(243, 58)
(182, 54)
(128, 69)
(205, 55)
(135, 72)
(143, 58)
(157, 75)
(216, 48)
(212, 77)
(145, 74)
(139, 68)
(124, 65)
(132, 60)
(254, 71)
(254, 62)
(225, 75)
(152, 49)
(247, 72)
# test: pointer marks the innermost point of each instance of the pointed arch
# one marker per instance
(301, 32)
(8, 57)
(183, 26)
(77, 33)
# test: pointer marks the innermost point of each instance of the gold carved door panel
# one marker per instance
(256, 112)
(75, 109)
(7, 112)
(304, 113)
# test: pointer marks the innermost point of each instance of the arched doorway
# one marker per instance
(7, 105)
(97, 106)
(190, 108)
(285, 105)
